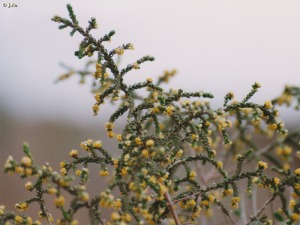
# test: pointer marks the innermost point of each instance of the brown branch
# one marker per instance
(172, 208)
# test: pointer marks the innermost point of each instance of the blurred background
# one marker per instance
(216, 46)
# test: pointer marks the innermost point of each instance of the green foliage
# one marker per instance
(177, 155)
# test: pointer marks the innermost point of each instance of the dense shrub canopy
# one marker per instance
(180, 161)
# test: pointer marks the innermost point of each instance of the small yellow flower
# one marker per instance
(144, 171)
(135, 66)
(272, 126)
(109, 126)
(292, 203)
(119, 51)
(119, 137)
(131, 47)
(191, 203)
(192, 175)
(117, 204)
(297, 171)
(297, 186)
(132, 186)
(257, 84)
(63, 183)
(138, 141)
(115, 216)
(63, 171)
(52, 190)
(207, 123)
(228, 191)
(62, 164)
(97, 144)
(37, 222)
(211, 198)
(26, 161)
(18, 219)
(73, 153)
(126, 157)
(59, 201)
(179, 153)
(287, 150)
(29, 186)
(153, 179)
(276, 181)
(205, 202)
(96, 109)
(97, 97)
(19, 170)
(143, 184)
(111, 134)
(295, 217)
(28, 171)
(2, 209)
(169, 110)
(195, 137)
(150, 143)
(163, 189)
(116, 161)
(126, 218)
(22, 206)
(98, 67)
(155, 110)
(78, 172)
(145, 153)
(103, 173)
(28, 220)
(84, 196)
(268, 104)
(74, 222)
(263, 165)
(149, 79)
(124, 171)
(220, 165)
(235, 201)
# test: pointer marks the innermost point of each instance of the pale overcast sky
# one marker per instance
(216, 46)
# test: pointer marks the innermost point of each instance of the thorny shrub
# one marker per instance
(179, 159)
